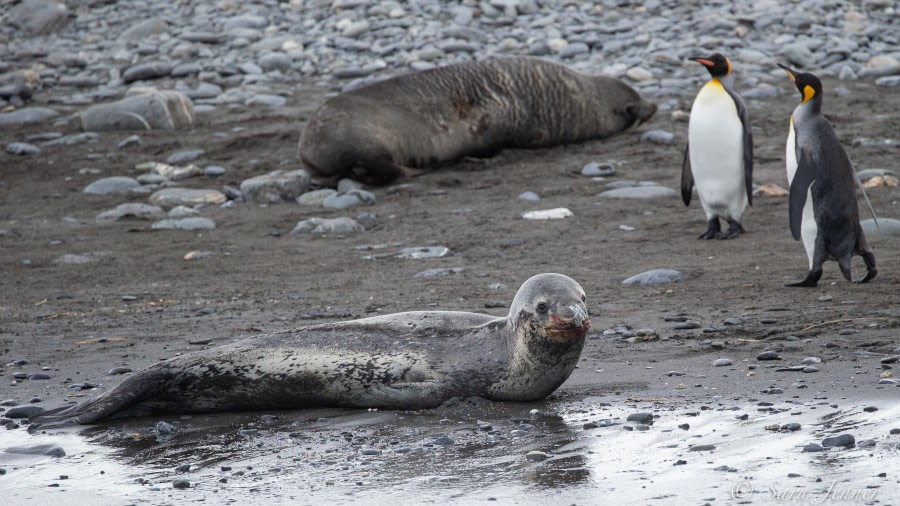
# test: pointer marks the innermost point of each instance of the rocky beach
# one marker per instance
(152, 203)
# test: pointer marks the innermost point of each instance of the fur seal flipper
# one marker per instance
(379, 131)
(405, 360)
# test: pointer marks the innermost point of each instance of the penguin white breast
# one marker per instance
(809, 229)
(716, 144)
(790, 153)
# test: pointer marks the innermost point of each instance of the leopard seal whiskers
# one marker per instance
(380, 131)
(408, 360)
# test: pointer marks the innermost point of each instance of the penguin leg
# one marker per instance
(871, 271)
(844, 263)
(815, 269)
(734, 229)
(713, 231)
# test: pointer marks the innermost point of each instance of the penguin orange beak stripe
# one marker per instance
(703, 61)
(790, 72)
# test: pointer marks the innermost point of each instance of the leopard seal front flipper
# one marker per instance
(407, 360)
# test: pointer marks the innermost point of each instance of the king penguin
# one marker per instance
(719, 155)
(822, 209)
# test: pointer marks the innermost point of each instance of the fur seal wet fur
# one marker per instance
(383, 130)
(406, 361)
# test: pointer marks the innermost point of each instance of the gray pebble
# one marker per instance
(722, 362)
(843, 440)
(813, 448)
(352, 198)
(183, 156)
(27, 116)
(118, 370)
(49, 449)
(319, 226)
(23, 411)
(115, 184)
(181, 484)
(439, 272)
(213, 171)
(702, 448)
(596, 169)
(658, 137)
(195, 223)
(768, 355)
(640, 417)
(370, 451)
(655, 277)
(22, 148)
(529, 196)
(536, 456)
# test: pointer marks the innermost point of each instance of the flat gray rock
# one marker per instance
(115, 184)
(640, 192)
(276, 187)
(319, 226)
(195, 223)
(27, 116)
(886, 226)
(171, 197)
(22, 148)
(352, 198)
(38, 16)
(150, 110)
(315, 197)
(132, 210)
(655, 277)
(41, 449)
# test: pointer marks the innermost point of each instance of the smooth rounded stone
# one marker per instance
(888, 81)
(171, 197)
(702, 448)
(655, 277)
(768, 355)
(115, 184)
(722, 362)
(811, 360)
(352, 198)
(245, 21)
(22, 148)
(439, 272)
(813, 448)
(866, 443)
(732, 321)
(143, 29)
(529, 196)
(548, 214)
(644, 418)
(186, 69)
(213, 171)
(809, 369)
(266, 100)
(843, 440)
(824, 298)
(688, 325)
(888, 381)
(418, 253)
(574, 49)
(370, 452)
(27, 116)
(319, 226)
(444, 441)
(597, 169)
(867, 174)
(275, 61)
(146, 110)
(147, 70)
(48, 449)
(131, 140)
(886, 226)
(181, 484)
(203, 90)
(276, 187)
(890, 359)
(640, 192)
(9, 402)
(639, 74)
(132, 210)
(115, 371)
(356, 28)
(181, 212)
(38, 376)
(195, 223)
(183, 156)
(658, 137)
(72, 140)
(346, 184)
(536, 456)
(17, 412)
(38, 17)
(315, 197)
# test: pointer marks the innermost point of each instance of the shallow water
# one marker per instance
(315, 456)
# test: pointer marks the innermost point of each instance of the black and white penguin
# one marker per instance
(719, 155)
(822, 210)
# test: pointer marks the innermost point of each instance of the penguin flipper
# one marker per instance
(748, 141)
(803, 179)
(687, 177)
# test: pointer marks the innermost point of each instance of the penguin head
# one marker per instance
(717, 64)
(809, 85)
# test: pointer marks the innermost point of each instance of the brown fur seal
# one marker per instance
(406, 360)
(377, 132)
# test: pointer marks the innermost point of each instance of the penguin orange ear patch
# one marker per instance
(808, 93)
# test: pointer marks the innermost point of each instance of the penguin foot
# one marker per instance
(712, 230)
(734, 229)
(870, 275)
(805, 283)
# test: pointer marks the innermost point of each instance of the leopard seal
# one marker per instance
(409, 360)
(383, 130)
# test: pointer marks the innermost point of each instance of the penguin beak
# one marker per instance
(703, 61)
(790, 72)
